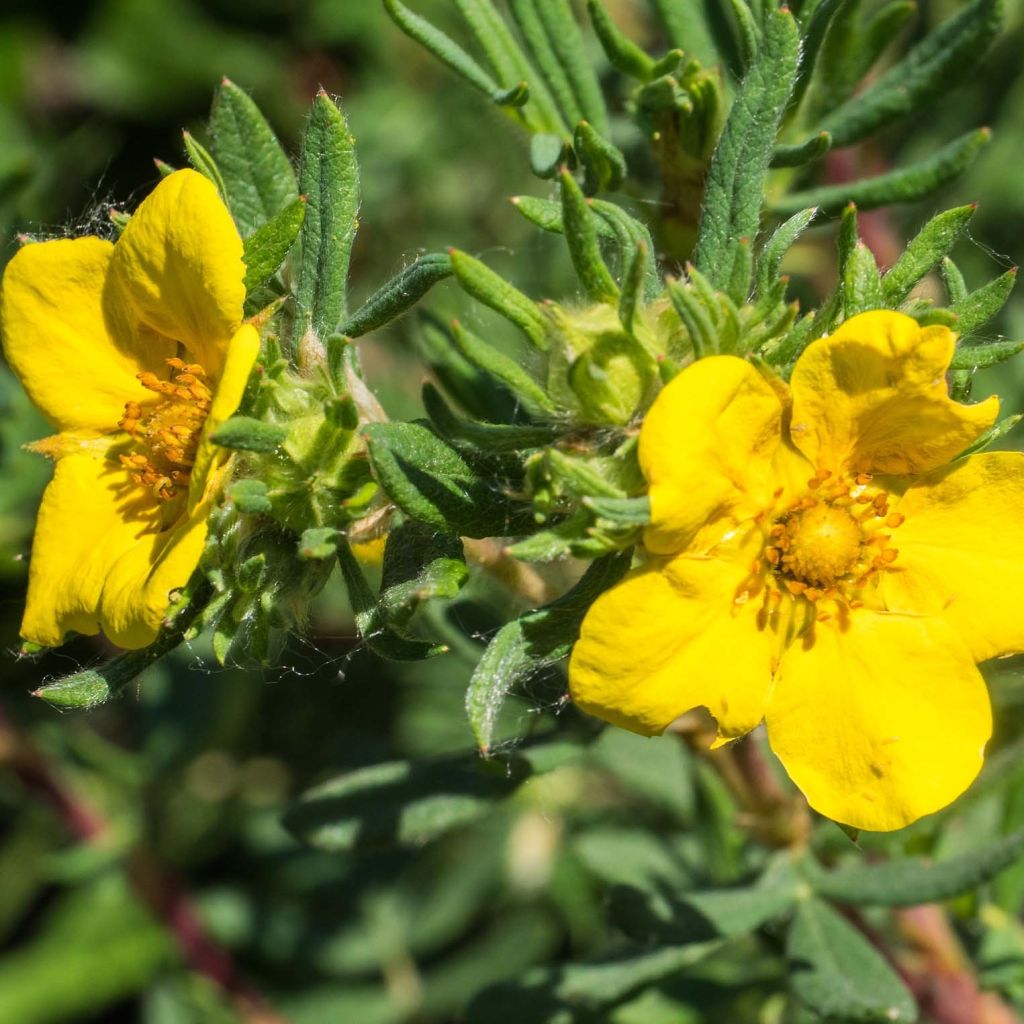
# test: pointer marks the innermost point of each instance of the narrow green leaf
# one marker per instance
(250, 496)
(510, 64)
(622, 52)
(505, 370)
(420, 564)
(695, 319)
(441, 46)
(563, 31)
(692, 27)
(487, 437)
(956, 287)
(243, 433)
(478, 392)
(541, 47)
(329, 179)
(803, 152)
(749, 34)
(266, 248)
(604, 166)
(492, 290)
(94, 686)
(837, 973)
(318, 543)
(923, 76)
(621, 511)
(908, 881)
(817, 26)
(994, 433)
(983, 303)
(430, 481)
(778, 245)
(735, 186)
(900, 186)
(862, 289)
(632, 287)
(258, 177)
(373, 627)
(398, 295)
(979, 357)
(925, 250)
(202, 160)
(581, 234)
(534, 641)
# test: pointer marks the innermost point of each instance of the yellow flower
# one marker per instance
(821, 559)
(134, 351)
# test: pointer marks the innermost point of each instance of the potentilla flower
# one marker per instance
(135, 351)
(821, 559)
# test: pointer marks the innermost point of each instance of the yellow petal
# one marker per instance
(91, 514)
(961, 551)
(67, 340)
(705, 447)
(241, 356)
(140, 585)
(873, 398)
(670, 638)
(882, 723)
(179, 267)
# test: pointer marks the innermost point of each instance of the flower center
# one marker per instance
(166, 434)
(824, 545)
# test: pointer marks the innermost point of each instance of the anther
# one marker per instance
(895, 519)
(864, 478)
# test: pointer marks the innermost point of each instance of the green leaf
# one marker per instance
(200, 158)
(318, 543)
(907, 881)
(604, 166)
(924, 76)
(778, 245)
(570, 53)
(695, 318)
(544, 995)
(862, 289)
(925, 250)
(900, 186)
(372, 623)
(409, 803)
(956, 287)
(398, 295)
(581, 234)
(492, 290)
(622, 52)
(817, 26)
(258, 176)
(631, 298)
(476, 391)
(994, 433)
(329, 179)
(979, 357)
(420, 564)
(430, 481)
(504, 369)
(510, 64)
(837, 973)
(620, 511)
(977, 308)
(266, 248)
(736, 179)
(250, 496)
(243, 433)
(487, 437)
(532, 642)
(801, 153)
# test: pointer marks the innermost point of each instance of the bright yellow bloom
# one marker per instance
(135, 351)
(822, 560)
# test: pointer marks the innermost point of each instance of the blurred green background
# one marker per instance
(166, 807)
